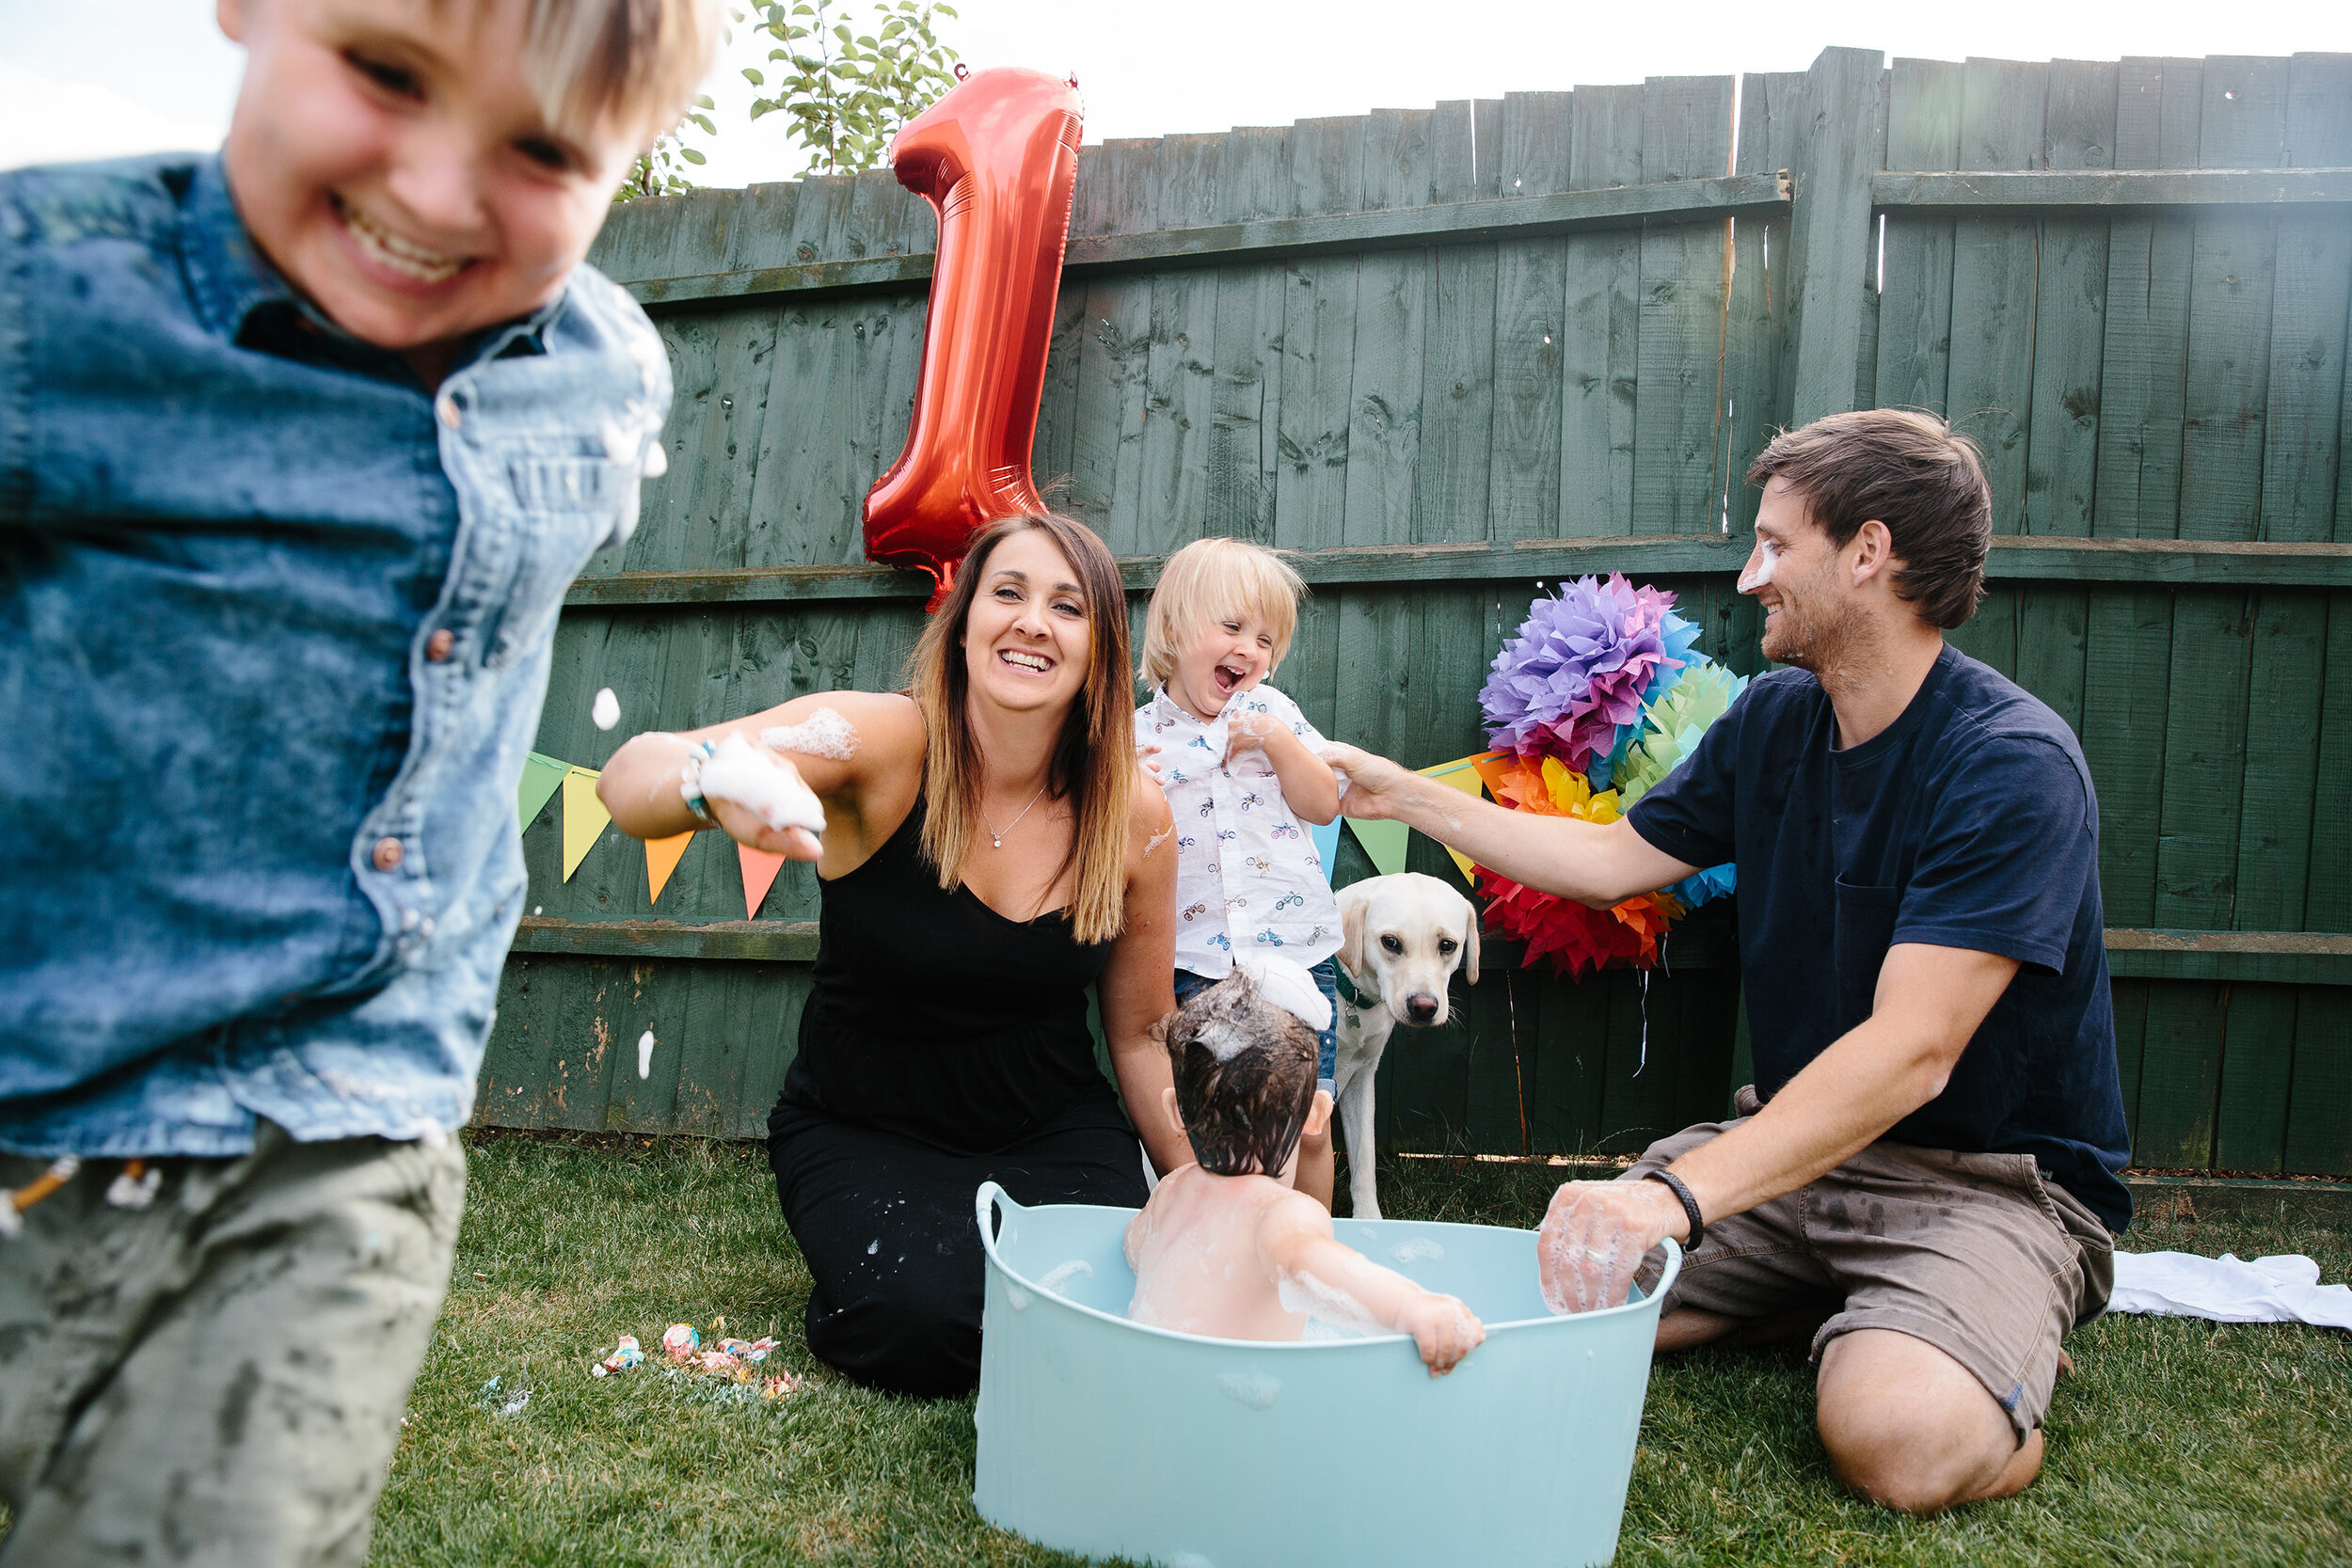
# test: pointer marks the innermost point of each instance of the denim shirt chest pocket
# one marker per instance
(1865, 924)
(563, 509)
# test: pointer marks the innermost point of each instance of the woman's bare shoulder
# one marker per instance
(1148, 814)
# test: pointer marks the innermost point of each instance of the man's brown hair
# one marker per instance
(1909, 470)
(1245, 1071)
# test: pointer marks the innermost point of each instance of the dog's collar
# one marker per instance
(1348, 991)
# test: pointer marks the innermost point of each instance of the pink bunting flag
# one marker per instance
(759, 875)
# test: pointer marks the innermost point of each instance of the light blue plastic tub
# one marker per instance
(1106, 1438)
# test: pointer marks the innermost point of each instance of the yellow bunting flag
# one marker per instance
(1462, 774)
(662, 858)
(584, 817)
(759, 875)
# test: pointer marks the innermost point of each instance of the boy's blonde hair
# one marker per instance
(630, 60)
(1210, 577)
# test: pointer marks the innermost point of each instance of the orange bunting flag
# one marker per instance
(662, 858)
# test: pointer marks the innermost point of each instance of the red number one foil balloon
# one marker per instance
(998, 157)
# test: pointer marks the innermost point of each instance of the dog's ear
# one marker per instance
(1469, 941)
(1351, 936)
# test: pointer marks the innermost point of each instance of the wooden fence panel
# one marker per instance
(2142, 374)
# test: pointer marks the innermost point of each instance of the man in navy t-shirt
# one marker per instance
(1923, 1175)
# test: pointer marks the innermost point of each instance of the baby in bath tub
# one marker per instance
(1227, 1246)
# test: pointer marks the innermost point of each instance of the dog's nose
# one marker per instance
(1421, 1009)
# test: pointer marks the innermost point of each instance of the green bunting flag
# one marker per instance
(542, 777)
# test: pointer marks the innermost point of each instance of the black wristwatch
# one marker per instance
(1690, 1205)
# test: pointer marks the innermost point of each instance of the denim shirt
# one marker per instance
(275, 625)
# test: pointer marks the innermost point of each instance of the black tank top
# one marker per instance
(937, 1018)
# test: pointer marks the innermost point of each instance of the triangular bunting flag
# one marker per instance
(1382, 841)
(542, 777)
(584, 817)
(661, 857)
(759, 875)
(1327, 844)
(1462, 774)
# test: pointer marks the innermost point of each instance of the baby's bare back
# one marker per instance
(1200, 1268)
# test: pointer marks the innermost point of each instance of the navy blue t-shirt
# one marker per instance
(1968, 822)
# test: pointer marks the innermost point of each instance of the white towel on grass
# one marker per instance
(2229, 1289)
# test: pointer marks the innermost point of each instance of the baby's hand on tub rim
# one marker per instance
(1444, 1331)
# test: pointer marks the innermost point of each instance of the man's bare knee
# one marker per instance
(1907, 1427)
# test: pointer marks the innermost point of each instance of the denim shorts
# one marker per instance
(1326, 1042)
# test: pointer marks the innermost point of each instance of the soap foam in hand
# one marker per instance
(606, 709)
(751, 778)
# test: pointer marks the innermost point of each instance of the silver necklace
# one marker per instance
(996, 839)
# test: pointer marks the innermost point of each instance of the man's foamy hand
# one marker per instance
(1595, 1236)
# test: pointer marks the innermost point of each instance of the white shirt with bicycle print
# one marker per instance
(1248, 877)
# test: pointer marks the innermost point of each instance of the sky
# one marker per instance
(100, 78)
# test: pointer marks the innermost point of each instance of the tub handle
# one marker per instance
(984, 1204)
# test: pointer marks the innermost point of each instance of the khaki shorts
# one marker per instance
(1973, 1253)
(218, 1378)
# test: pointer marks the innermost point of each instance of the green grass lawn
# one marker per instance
(2178, 1442)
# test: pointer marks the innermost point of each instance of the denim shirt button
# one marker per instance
(437, 646)
(446, 406)
(388, 854)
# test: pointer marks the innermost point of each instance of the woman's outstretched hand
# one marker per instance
(744, 826)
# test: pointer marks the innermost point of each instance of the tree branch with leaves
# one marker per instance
(848, 92)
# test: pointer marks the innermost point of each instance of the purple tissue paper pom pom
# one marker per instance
(1580, 668)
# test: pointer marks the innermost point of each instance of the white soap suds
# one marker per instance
(1254, 1389)
(1060, 1275)
(1288, 985)
(607, 710)
(645, 1054)
(873, 1246)
(1416, 1250)
(760, 785)
(1319, 1332)
(1223, 1040)
(823, 733)
(1760, 571)
(1304, 1293)
(1019, 1297)
(1159, 838)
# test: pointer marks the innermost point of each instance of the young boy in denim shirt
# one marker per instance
(300, 445)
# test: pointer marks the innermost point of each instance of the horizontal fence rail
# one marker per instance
(2286, 958)
(2136, 561)
(1263, 241)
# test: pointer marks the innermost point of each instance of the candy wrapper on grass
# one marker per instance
(627, 1356)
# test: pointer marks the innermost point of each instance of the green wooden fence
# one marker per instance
(1449, 354)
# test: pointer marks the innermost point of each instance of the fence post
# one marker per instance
(1828, 224)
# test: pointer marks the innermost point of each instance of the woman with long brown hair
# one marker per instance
(989, 848)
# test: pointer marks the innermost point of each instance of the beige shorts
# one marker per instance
(1973, 1253)
(217, 1379)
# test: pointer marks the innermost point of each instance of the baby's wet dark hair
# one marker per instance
(1245, 1074)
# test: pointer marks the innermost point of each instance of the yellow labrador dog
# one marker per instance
(1403, 938)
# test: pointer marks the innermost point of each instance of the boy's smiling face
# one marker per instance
(390, 159)
(1229, 653)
